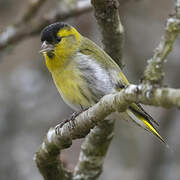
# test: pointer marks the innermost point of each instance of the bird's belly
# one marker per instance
(73, 90)
(83, 82)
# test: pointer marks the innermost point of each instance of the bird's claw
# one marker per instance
(70, 119)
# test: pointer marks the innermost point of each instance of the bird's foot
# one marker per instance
(70, 120)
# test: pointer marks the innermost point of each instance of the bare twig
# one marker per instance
(107, 16)
(154, 71)
(14, 34)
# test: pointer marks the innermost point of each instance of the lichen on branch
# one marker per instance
(62, 138)
(154, 72)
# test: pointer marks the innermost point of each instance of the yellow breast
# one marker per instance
(69, 83)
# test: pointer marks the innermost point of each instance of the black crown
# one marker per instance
(49, 33)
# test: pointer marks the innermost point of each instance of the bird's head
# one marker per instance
(59, 42)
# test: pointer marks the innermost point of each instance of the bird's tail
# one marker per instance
(144, 120)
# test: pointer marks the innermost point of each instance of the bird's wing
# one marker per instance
(135, 111)
(105, 61)
(142, 118)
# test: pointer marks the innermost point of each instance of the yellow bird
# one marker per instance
(84, 73)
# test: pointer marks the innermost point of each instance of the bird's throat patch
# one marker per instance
(50, 54)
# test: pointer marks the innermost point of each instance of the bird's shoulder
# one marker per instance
(89, 48)
(93, 51)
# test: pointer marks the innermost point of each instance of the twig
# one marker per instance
(107, 15)
(154, 71)
(14, 34)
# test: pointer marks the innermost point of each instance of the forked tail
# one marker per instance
(144, 120)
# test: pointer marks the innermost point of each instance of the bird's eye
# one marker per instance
(58, 39)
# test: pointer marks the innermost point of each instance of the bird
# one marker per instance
(83, 72)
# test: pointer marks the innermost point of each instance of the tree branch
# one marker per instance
(154, 71)
(93, 151)
(78, 128)
(15, 33)
(107, 15)
(81, 125)
(47, 157)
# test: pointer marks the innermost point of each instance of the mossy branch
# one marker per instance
(47, 156)
(93, 151)
(154, 72)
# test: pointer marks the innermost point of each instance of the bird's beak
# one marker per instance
(46, 47)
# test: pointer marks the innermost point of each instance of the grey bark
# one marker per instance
(154, 71)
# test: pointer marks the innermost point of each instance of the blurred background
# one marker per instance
(30, 103)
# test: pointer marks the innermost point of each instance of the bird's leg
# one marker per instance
(70, 119)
